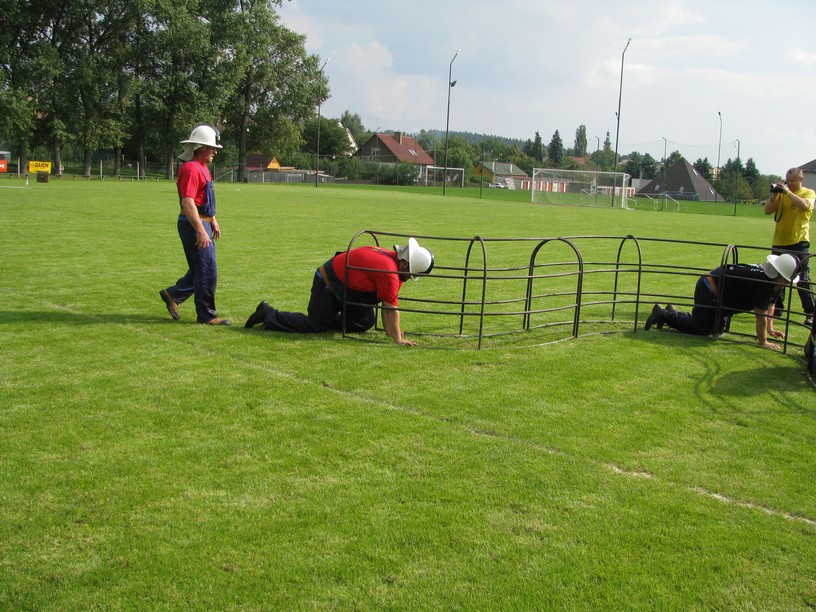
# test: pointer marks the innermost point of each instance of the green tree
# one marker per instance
(649, 166)
(178, 76)
(514, 155)
(641, 166)
(555, 150)
(732, 184)
(354, 124)
(703, 166)
(494, 149)
(94, 86)
(428, 140)
(333, 138)
(528, 148)
(278, 84)
(537, 151)
(761, 182)
(673, 158)
(605, 158)
(35, 42)
(460, 155)
(633, 165)
(455, 142)
(745, 193)
(734, 181)
(28, 65)
(571, 163)
(398, 174)
(750, 172)
(580, 141)
(733, 165)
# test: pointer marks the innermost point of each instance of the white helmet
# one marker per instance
(420, 260)
(203, 135)
(781, 264)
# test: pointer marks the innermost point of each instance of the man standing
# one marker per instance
(197, 228)
(792, 206)
(736, 288)
(363, 276)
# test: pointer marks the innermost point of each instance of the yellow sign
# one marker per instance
(39, 166)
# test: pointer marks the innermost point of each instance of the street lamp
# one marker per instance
(319, 102)
(447, 123)
(620, 95)
(719, 147)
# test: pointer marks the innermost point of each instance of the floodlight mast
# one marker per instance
(319, 101)
(719, 148)
(620, 96)
(447, 122)
(736, 177)
(663, 168)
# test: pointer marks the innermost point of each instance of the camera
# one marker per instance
(777, 188)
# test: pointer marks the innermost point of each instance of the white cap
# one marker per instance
(420, 260)
(781, 264)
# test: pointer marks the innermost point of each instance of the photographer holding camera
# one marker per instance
(792, 205)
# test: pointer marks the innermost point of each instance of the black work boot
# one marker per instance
(657, 318)
(259, 315)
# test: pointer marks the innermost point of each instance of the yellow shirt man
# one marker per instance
(792, 219)
(792, 207)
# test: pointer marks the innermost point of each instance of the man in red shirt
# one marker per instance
(197, 228)
(363, 277)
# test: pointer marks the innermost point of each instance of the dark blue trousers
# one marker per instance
(202, 273)
(703, 314)
(802, 252)
(324, 313)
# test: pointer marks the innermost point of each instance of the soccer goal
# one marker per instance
(436, 175)
(580, 187)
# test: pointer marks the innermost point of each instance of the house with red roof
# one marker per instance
(391, 149)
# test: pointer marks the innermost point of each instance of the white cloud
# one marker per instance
(800, 56)
(687, 48)
(673, 15)
(365, 79)
(550, 64)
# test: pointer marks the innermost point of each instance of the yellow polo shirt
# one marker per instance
(793, 223)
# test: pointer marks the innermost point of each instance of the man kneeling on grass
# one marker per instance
(365, 275)
(737, 288)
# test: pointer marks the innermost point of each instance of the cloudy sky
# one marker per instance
(546, 65)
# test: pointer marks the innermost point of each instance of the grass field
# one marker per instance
(147, 463)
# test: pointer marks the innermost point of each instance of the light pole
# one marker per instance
(598, 152)
(481, 171)
(447, 123)
(319, 102)
(620, 95)
(665, 142)
(719, 148)
(736, 177)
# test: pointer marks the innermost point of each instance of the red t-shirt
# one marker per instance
(381, 276)
(192, 178)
